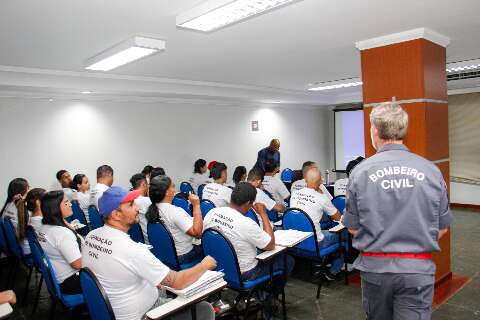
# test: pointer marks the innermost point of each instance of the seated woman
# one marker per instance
(60, 242)
(82, 187)
(200, 175)
(14, 208)
(239, 175)
(33, 205)
(182, 227)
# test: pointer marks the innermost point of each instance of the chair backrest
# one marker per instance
(216, 245)
(3, 239)
(252, 215)
(96, 220)
(49, 276)
(206, 206)
(99, 306)
(339, 202)
(78, 213)
(186, 187)
(163, 245)
(11, 236)
(181, 202)
(286, 175)
(37, 251)
(297, 219)
(135, 233)
(200, 190)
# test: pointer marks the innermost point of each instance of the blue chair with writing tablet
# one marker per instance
(78, 214)
(206, 206)
(297, 219)
(135, 233)
(216, 245)
(186, 188)
(181, 202)
(252, 215)
(287, 175)
(200, 190)
(339, 202)
(99, 306)
(96, 221)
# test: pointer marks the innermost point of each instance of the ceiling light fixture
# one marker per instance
(215, 14)
(466, 65)
(337, 84)
(125, 52)
(86, 92)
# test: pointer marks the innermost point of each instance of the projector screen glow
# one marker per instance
(349, 137)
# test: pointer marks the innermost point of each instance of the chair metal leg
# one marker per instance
(52, 309)
(27, 285)
(13, 274)
(319, 287)
(37, 296)
(284, 306)
(247, 305)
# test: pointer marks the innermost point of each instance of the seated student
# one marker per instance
(340, 186)
(60, 242)
(82, 195)
(104, 181)
(182, 226)
(157, 171)
(255, 178)
(273, 184)
(14, 208)
(239, 175)
(300, 184)
(199, 174)
(315, 203)
(216, 191)
(147, 171)
(128, 272)
(33, 201)
(65, 179)
(8, 296)
(245, 235)
(139, 182)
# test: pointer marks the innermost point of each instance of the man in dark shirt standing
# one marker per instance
(269, 153)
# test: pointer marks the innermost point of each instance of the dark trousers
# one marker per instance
(71, 285)
(397, 296)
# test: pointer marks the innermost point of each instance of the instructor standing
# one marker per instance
(269, 153)
(397, 209)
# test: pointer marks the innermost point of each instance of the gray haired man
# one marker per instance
(397, 210)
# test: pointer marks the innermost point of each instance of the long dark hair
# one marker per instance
(198, 165)
(52, 214)
(157, 191)
(238, 173)
(18, 186)
(77, 179)
(32, 197)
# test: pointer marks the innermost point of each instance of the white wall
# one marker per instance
(38, 137)
(464, 193)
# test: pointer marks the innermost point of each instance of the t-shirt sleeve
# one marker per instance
(68, 246)
(182, 219)
(446, 216)
(282, 189)
(326, 192)
(227, 194)
(328, 207)
(255, 235)
(148, 267)
(350, 216)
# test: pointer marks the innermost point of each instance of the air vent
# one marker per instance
(463, 75)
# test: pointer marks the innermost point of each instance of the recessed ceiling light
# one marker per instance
(86, 92)
(214, 14)
(125, 52)
(337, 84)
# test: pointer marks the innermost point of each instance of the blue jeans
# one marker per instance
(263, 268)
(195, 254)
(328, 240)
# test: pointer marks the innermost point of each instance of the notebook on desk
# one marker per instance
(290, 238)
(207, 280)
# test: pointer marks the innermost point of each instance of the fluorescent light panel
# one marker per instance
(125, 52)
(330, 85)
(215, 14)
(466, 65)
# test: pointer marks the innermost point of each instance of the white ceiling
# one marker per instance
(272, 57)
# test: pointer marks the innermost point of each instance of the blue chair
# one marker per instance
(16, 249)
(339, 202)
(287, 175)
(99, 306)
(96, 220)
(135, 233)
(252, 215)
(164, 246)
(297, 219)
(206, 206)
(216, 245)
(200, 190)
(79, 215)
(37, 253)
(186, 187)
(181, 202)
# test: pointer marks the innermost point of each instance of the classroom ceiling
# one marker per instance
(270, 58)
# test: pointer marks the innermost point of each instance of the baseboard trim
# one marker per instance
(475, 207)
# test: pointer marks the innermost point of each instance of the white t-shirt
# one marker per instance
(218, 194)
(276, 188)
(97, 192)
(143, 203)
(61, 247)
(197, 179)
(127, 271)
(244, 234)
(300, 184)
(36, 223)
(11, 212)
(340, 187)
(83, 199)
(69, 193)
(314, 204)
(178, 222)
